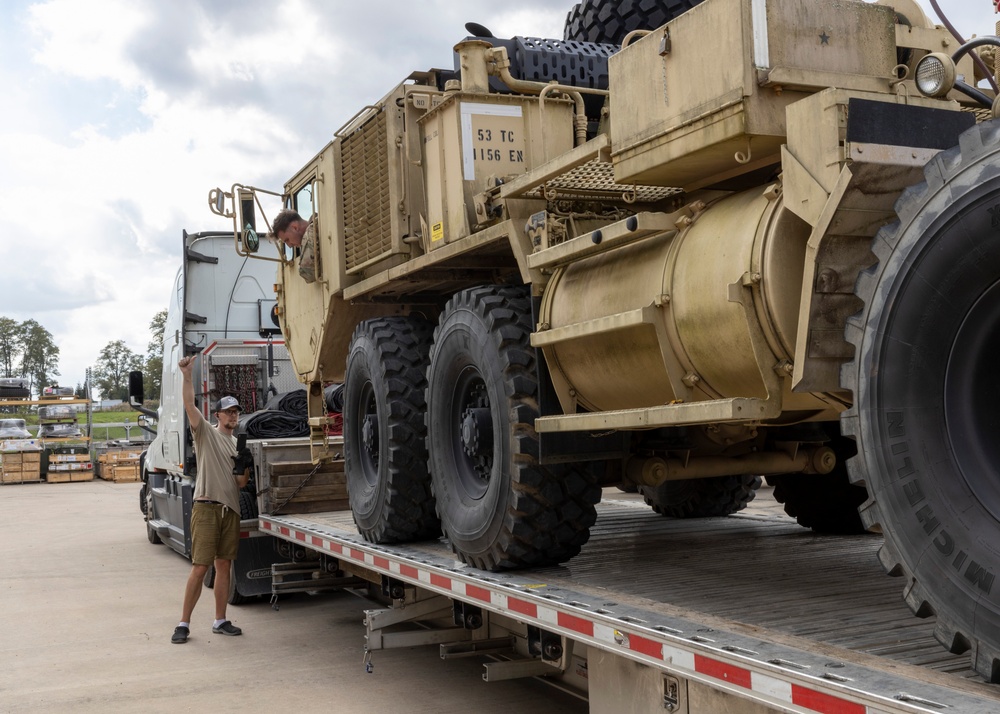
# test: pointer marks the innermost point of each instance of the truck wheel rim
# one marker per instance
(368, 441)
(472, 429)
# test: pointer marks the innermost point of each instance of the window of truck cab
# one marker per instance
(302, 202)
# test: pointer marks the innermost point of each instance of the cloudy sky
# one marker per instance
(120, 115)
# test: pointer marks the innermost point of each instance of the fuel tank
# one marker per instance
(675, 317)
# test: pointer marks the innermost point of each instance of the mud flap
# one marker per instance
(253, 565)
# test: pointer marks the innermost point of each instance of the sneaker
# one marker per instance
(180, 635)
(227, 628)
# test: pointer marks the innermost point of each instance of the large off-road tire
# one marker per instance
(826, 503)
(925, 386)
(701, 497)
(608, 21)
(384, 435)
(498, 506)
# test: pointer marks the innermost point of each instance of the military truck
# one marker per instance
(678, 250)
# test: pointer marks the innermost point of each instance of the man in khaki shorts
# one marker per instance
(215, 515)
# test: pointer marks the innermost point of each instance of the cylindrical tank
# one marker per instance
(666, 318)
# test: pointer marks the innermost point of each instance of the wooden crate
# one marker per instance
(68, 476)
(73, 466)
(119, 473)
(66, 467)
(118, 465)
(282, 465)
(20, 467)
(325, 490)
(69, 458)
(32, 476)
(123, 456)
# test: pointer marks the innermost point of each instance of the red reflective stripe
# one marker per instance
(522, 606)
(244, 534)
(478, 593)
(317, 541)
(441, 581)
(824, 703)
(356, 555)
(284, 531)
(409, 571)
(723, 671)
(336, 548)
(380, 562)
(299, 535)
(577, 624)
(644, 646)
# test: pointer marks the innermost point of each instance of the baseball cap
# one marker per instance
(227, 403)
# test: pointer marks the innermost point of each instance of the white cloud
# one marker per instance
(86, 39)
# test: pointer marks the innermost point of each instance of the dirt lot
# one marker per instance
(89, 606)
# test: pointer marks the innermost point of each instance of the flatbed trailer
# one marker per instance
(691, 635)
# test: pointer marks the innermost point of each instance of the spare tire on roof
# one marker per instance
(609, 21)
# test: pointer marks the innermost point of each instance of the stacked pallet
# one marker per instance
(20, 466)
(69, 464)
(119, 466)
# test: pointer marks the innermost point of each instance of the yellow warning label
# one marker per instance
(437, 231)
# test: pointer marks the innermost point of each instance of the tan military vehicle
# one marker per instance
(675, 252)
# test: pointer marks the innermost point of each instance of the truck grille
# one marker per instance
(365, 188)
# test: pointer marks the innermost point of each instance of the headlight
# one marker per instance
(935, 75)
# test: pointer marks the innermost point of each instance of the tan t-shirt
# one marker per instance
(215, 452)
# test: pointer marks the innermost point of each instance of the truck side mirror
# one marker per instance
(217, 202)
(135, 389)
(248, 219)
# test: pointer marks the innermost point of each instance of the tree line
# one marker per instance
(29, 351)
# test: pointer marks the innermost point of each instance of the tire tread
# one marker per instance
(550, 509)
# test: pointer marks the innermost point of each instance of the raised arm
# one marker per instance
(195, 419)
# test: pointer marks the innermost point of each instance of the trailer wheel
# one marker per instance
(608, 22)
(499, 507)
(701, 497)
(384, 451)
(925, 386)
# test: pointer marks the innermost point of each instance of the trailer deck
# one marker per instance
(779, 631)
